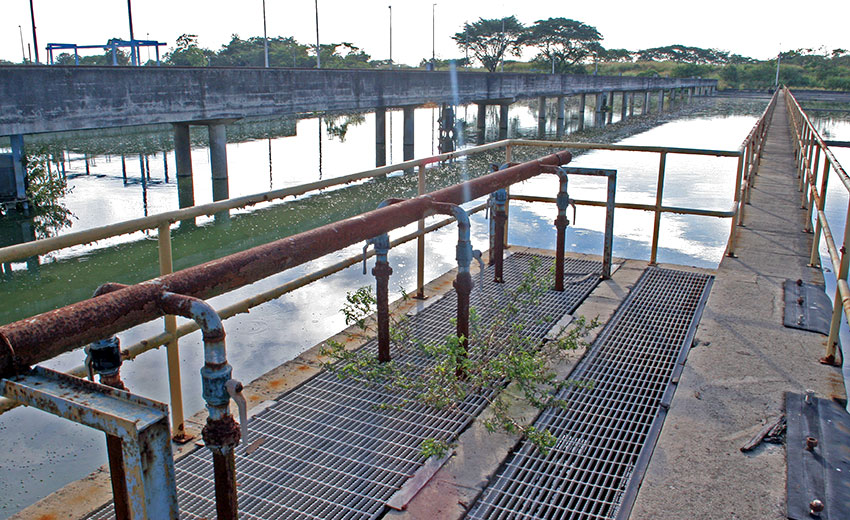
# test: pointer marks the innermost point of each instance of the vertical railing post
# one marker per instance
(608, 244)
(837, 307)
(178, 427)
(811, 190)
(814, 261)
(509, 157)
(737, 196)
(659, 194)
(420, 241)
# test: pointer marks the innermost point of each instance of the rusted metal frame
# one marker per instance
(175, 386)
(39, 247)
(44, 336)
(814, 261)
(659, 194)
(736, 207)
(221, 433)
(141, 425)
(243, 306)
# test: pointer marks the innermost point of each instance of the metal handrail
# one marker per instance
(163, 222)
(809, 147)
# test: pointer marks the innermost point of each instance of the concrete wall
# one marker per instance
(48, 99)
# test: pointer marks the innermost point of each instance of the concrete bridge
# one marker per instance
(52, 99)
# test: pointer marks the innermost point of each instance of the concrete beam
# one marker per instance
(57, 98)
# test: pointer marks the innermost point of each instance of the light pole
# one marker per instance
(265, 36)
(391, 35)
(778, 59)
(23, 53)
(133, 49)
(318, 52)
(34, 37)
(433, 36)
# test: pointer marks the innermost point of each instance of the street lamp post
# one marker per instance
(433, 36)
(318, 51)
(34, 37)
(265, 36)
(23, 52)
(391, 35)
(134, 58)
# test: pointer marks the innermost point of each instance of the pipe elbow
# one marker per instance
(195, 309)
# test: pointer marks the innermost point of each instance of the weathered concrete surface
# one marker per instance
(50, 99)
(742, 363)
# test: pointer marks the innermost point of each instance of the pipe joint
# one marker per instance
(104, 356)
(221, 435)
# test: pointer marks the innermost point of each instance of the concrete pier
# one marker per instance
(407, 137)
(380, 137)
(18, 159)
(645, 109)
(625, 106)
(660, 101)
(182, 150)
(541, 116)
(481, 123)
(582, 103)
(218, 150)
(503, 120)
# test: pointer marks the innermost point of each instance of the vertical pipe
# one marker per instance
(175, 387)
(420, 241)
(608, 247)
(382, 272)
(838, 308)
(814, 261)
(509, 157)
(499, 218)
(659, 194)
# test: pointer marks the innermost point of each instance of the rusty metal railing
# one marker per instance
(813, 155)
(747, 163)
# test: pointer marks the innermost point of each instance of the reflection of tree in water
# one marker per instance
(45, 191)
(338, 126)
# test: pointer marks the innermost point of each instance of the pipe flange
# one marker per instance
(220, 433)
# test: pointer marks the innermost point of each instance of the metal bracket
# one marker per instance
(140, 423)
(807, 307)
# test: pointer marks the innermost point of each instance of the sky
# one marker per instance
(754, 28)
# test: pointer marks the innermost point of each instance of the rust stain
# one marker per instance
(47, 516)
(276, 383)
(303, 367)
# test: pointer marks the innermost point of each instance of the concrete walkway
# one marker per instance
(742, 363)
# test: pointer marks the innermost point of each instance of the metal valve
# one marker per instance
(234, 389)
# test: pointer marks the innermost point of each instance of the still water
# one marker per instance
(48, 452)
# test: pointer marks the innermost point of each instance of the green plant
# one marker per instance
(499, 353)
(45, 191)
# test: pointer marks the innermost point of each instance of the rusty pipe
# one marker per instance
(45, 336)
(221, 433)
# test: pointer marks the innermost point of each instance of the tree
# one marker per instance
(490, 39)
(562, 42)
(685, 54)
(187, 53)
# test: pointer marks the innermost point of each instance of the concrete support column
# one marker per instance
(561, 116)
(661, 101)
(182, 150)
(599, 113)
(448, 139)
(380, 137)
(218, 150)
(645, 103)
(481, 122)
(624, 108)
(19, 166)
(690, 94)
(631, 104)
(503, 120)
(582, 103)
(541, 116)
(407, 139)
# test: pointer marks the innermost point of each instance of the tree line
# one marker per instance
(558, 45)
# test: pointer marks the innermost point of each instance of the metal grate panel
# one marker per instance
(604, 428)
(330, 453)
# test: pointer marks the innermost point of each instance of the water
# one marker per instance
(50, 452)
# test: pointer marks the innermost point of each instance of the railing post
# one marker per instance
(736, 219)
(814, 261)
(178, 426)
(420, 242)
(659, 194)
(509, 157)
(837, 307)
(811, 190)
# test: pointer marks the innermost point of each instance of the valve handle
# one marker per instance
(234, 389)
(476, 254)
(365, 248)
(573, 204)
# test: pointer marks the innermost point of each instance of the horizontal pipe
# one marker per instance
(624, 147)
(633, 205)
(49, 334)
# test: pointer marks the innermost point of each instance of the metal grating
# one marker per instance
(605, 427)
(330, 453)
